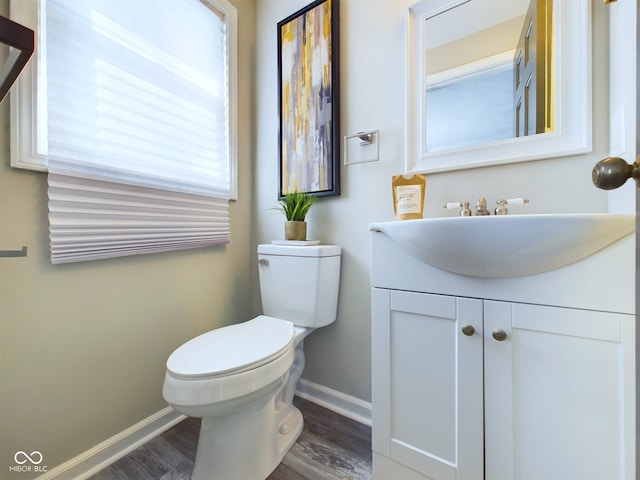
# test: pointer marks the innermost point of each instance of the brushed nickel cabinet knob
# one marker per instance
(499, 335)
(468, 330)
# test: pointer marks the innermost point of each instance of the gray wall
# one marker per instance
(372, 66)
(83, 347)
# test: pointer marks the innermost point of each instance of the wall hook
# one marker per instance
(365, 138)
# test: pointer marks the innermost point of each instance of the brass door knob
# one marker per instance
(499, 334)
(612, 172)
(468, 330)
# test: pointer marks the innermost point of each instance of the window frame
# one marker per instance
(28, 104)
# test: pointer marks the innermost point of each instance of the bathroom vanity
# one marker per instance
(501, 378)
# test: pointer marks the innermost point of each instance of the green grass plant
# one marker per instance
(296, 205)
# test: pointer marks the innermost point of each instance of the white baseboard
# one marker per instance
(346, 405)
(97, 458)
(92, 461)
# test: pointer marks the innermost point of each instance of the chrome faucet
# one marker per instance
(501, 209)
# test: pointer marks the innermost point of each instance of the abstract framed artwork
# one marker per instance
(308, 97)
(22, 42)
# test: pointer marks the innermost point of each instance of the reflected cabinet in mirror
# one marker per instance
(497, 81)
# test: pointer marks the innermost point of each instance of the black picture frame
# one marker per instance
(309, 100)
(22, 39)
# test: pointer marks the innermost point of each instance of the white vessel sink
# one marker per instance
(507, 246)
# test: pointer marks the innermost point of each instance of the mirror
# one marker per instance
(497, 81)
(20, 40)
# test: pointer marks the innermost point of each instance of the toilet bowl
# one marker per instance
(241, 379)
(235, 392)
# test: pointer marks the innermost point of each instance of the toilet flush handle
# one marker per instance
(263, 261)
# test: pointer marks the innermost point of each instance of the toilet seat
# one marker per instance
(233, 349)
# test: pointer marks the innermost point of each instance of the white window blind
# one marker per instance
(139, 134)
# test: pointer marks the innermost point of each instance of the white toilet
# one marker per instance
(241, 379)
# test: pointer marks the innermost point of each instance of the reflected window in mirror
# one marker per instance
(470, 105)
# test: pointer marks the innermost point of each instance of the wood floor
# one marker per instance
(331, 447)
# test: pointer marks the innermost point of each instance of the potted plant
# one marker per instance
(295, 206)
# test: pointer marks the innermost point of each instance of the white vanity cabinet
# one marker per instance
(427, 386)
(558, 392)
(495, 379)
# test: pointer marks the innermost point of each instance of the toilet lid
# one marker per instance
(232, 349)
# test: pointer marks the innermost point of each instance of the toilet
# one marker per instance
(241, 379)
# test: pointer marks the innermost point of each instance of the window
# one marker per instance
(132, 113)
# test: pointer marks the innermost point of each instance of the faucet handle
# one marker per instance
(501, 209)
(517, 201)
(465, 211)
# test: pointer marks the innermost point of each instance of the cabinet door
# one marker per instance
(558, 393)
(427, 384)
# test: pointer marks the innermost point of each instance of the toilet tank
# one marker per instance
(300, 283)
